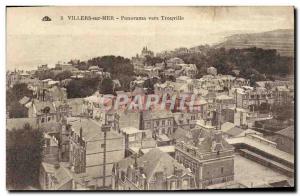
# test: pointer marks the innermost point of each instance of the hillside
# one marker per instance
(282, 40)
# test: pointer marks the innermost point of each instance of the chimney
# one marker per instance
(178, 172)
(175, 168)
(57, 166)
(80, 133)
(141, 118)
(218, 137)
(135, 161)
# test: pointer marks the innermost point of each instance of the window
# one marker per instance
(173, 185)
(42, 120)
(157, 123)
(102, 145)
(49, 118)
(185, 184)
(222, 170)
(163, 122)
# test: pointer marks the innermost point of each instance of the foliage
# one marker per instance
(106, 86)
(254, 60)
(83, 87)
(13, 95)
(151, 61)
(63, 75)
(119, 67)
(23, 157)
(283, 112)
(42, 75)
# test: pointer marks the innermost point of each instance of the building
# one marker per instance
(174, 62)
(212, 71)
(155, 170)
(283, 95)
(48, 114)
(136, 139)
(65, 67)
(210, 158)
(189, 70)
(251, 98)
(160, 122)
(84, 146)
(59, 176)
(285, 139)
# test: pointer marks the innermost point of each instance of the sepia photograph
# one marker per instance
(150, 98)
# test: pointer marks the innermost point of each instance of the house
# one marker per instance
(285, 139)
(283, 95)
(136, 139)
(155, 170)
(50, 91)
(173, 62)
(66, 67)
(60, 177)
(51, 149)
(212, 71)
(76, 106)
(209, 156)
(189, 70)
(88, 138)
(160, 122)
(48, 114)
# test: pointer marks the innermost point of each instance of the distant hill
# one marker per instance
(282, 40)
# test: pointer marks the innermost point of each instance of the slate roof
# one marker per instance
(157, 115)
(206, 145)
(234, 131)
(24, 100)
(91, 130)
(287, 132)
(39, 106)
(154, 161)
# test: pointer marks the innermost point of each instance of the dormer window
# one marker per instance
(46, 110)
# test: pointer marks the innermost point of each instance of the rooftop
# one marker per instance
(287, 132)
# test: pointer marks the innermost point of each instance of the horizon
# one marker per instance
(37, 42)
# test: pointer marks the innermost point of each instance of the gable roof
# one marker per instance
(234, 131)
(287, 132)
(24, 100)
(157, 161)
(154, 161)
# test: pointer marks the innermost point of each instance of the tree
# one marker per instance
(119, 67)
(13, 95)
(24, 149)
(63, 75)
(83, 87)
(46, 75)
(106, 86)
(151, 61)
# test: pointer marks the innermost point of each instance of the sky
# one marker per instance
(31, 42)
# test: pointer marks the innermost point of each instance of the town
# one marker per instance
(63, 132)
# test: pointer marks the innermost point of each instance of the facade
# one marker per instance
(159, 122)
(212, 71)
(285, 139)
(155, 170)
(210, 158)
(89, 155)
